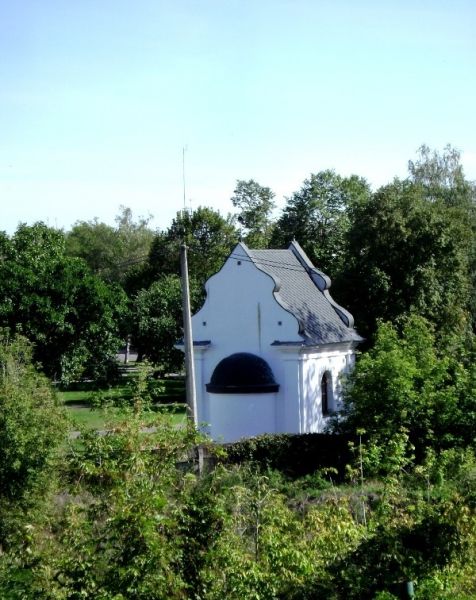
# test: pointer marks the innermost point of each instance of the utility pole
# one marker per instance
(188, 339)
(190, 388)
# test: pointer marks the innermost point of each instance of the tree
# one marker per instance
(72, 317)
(402, 383)
(406, 254)
(111, 252)
(442, 176)
(317, 216)
(443, 180)
(157, 313)
(209, 237)
(256, 205)
(157, 322)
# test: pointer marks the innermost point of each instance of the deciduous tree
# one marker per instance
(111, 252)
(317, 216)
(157, 322)
(406, 254)
(71, 315)
(209, 237)
(256, 205)
(442, 177)
(403, 382)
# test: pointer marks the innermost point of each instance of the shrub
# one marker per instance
(295, 455)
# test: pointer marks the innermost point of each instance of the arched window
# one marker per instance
(326, 392)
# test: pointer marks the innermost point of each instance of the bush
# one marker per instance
(32, 424)
(295, 455)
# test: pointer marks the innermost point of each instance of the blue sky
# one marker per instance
(98, 98)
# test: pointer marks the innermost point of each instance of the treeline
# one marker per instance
(407, 248)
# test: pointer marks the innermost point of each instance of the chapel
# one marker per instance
(270, 346)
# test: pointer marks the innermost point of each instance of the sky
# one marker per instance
(98, 99)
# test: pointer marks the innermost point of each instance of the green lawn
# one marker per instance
(88, 396)
(99, 418)
(83, 404)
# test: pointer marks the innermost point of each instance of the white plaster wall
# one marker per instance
(240, 305)
(234, 416)
(203, 408)
(289, 405)
(336, 361)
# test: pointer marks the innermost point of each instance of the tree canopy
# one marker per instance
(442, 177)
(409, 250)
(404, 382)
(256, 205)
(157, 321)
(209, 237)
(317, 216)
(111, 252)
(72, 317)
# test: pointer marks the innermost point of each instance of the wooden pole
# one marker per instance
(190, 388)
(191, 394)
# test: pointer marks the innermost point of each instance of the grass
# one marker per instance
(100, 419)
(86, 397)
(83, 405)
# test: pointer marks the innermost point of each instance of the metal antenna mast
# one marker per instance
(183, 177)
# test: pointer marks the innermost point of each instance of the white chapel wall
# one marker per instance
(240, 305)
(233, 416)
(337, 363)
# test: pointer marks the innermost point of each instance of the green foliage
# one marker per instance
(133, 525)
(32, 427)
(416, 532)
(209, 237)
(267, 549)
(317, 216)
(72, 316)
(111, 252)
(130, 516)
(256, 205)
(31, 421)
(292, 454)
(442, 176)
(403, 383)
(157, 322)
(410, 248)
(120, 524)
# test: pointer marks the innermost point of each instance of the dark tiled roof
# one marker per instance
(303, 291)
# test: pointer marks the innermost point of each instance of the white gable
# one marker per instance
(241, 310)
(244, 312)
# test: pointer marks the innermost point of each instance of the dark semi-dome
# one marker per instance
(242, 373)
